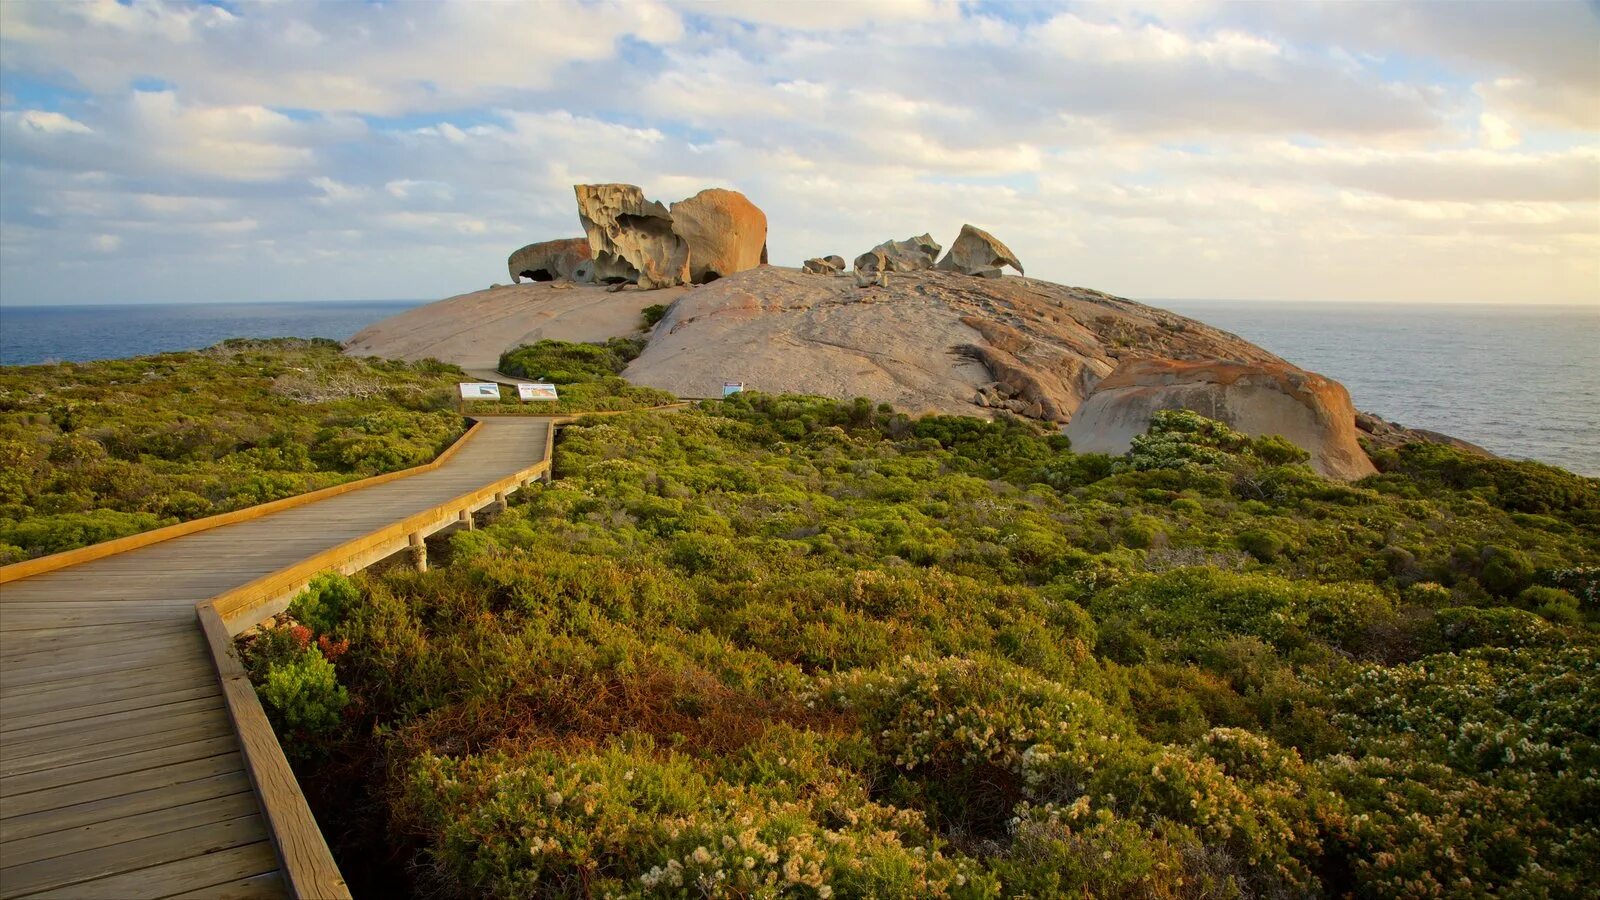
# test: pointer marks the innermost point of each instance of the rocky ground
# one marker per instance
(471, 330)
(924, 341)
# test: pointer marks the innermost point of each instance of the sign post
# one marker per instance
(729, 388)
(538, 391)
(476, 390)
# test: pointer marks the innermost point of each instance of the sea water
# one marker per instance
(36, 334)
(1520, 380)
(1523, 381)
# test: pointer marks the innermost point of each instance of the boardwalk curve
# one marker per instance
(134, 758)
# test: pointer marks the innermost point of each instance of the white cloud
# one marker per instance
(1194, 150)
(44, 122)
(1498, 134)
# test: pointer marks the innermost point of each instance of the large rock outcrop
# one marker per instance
(632, 238)
(977, 252)
(726, 233)
(927, 341)
(1256, 398)
(562, 260)
(472, 330)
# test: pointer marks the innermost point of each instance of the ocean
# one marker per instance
(1523, 381)
(36, 334)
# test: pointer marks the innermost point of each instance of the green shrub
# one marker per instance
(1262, 543)
(303, 694)
(325, 602)
(653, 314)
(1553, 604)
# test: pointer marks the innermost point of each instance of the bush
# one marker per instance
(303, 694)
(325, 602)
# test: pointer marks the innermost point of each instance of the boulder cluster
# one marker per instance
(629, 239)
(975, 252)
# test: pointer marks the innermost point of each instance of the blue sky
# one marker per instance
(189, 152)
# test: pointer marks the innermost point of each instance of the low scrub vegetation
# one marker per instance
(100, 450)
(588, 377)
(782, 646)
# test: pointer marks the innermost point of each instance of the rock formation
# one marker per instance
(977, 252)
(872, 268)
(823, 265)
(726, 233)
(562, 260)
(910, 255)
(1256, 398)
(472, 330)
(1380, 433)
(630, 237)
(927, 341)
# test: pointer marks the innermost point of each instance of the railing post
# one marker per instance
(419, 551)
(500, 501)
(465, 518)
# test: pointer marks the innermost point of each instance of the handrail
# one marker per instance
(80, 555)
(307, 863)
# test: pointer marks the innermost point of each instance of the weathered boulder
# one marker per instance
(1261, 398)
(910, 255)
(977, 252)
(872, 268)
(726, 233)
(561, 260)
(823, 265)
(631, 238)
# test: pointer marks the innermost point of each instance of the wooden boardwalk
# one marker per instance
(121, 772)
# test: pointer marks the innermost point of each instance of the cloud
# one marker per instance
(359, 150)
(337, 57)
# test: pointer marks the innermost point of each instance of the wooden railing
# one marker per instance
(54, 561)
(308, 866)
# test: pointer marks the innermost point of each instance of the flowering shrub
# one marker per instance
(628, 820)
(781, 646)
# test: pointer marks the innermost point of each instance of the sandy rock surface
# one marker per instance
(1258, 399)
(927, 341)
(471, 330)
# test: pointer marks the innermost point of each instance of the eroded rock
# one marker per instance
(726, 233)
(560, 260)
(823, 265)
(977, 252)
(631, 238)
(1258, 399)
(872, 268)
(910, 255)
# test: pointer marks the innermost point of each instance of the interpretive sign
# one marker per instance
(537, 391)
(729, 388)
(480, 390)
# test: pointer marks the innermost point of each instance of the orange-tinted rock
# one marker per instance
(561, 260)
(1262, 398)
(726, 233)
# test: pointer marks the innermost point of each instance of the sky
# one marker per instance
(239, 151)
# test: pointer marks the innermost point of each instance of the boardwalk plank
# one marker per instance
(166, 880)
(98, 790)
(120, 771)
